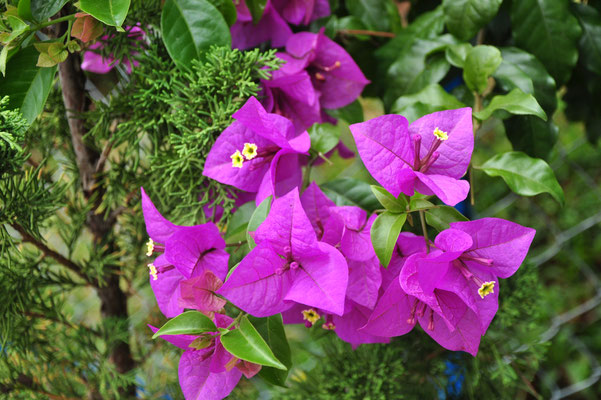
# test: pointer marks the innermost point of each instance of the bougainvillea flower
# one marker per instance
(211, 372)
(430, 155)
(288, 265)
(271, 27)
(453, 290)
(290, 93)
(185, 252)
(94, 62)
(199, 293)
(302, 12)
(333, 71)
(317, 207)
(259, 152)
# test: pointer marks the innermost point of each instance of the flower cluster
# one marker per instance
(314, 261)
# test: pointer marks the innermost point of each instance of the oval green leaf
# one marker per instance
(515, 102)
(480, 63)
(227, 9)
(272, 331)
(27, 85)
(464, 18)
(387, 200)
(257, 219)
(44, 9)
(384, 234)
(190, 27)
(187, 323)
(439, 218)
(351, 192)
(524, 175)
(324, 137)
(111, 12)
(247, 344)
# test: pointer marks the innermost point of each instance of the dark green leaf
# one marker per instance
(351, 192)
(44, 9)
(430, 99)
(272, 331)
(27, 85)
(111, 12)
(190, 27)
(227, 9)
(384, 234)
(240, 219)
(590, 41)
(24, 10)
(516, 102)
(480, 63)
(389, 202)
(257, 219)
(247, 344)
(379, 15)
(439, 218)
(531, 135)
(524, 175)
(324, 137)
(464, 18)
(547, 29)
(520, 69)
(352, 114)
(256, 8)
(187, 323)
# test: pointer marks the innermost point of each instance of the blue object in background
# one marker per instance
(455, 378)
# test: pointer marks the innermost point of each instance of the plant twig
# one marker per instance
(422, 218)
(366, 32)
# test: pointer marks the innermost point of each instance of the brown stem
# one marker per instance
(366, 32)
(51, 253)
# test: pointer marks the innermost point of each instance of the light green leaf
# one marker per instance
(27, 85)
(524, 175)
(516, 102)
(384, 234)
(324, 137)
(24, 10)
(464, 18)
(44, 9)
(239, 221)
(547, 29)
(351, 192)
(257, 219)
(3, 56)
(111, 12)
(457, 53)
(416, 204)
(439, 218)
(480, 63)
(430, 99)
(190, 27)
(272, 331)
(389, 202)
(247, 344)
(187, 323)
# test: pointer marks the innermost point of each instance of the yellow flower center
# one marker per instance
(486, 289)
(152, 270)
(440, 135)
(237, 159)
(311, 315)
(249, 151)
(149, 247)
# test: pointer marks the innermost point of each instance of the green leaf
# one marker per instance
(247, 344)
(516, 102)
(524, 175)
(351, 192)
(464, 18)
(231, 271)
(187, 323)
(227, 9)
(24, 10)
(389, 202)
(520, 69)
(190, 27)
(239, 222)
(531, 135)
(480, 63)
(430, 99)
(272, 331)
(384, 234)
(457, 53)
(352, 114)
(439, 218)
(256, 8)
(324, 137)
(379, 15)
(27, 85)
(416, 204)
(547, 29)
(257, 219)
(590, 41)
(3, 57)
(44, 9)
(111, 12)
